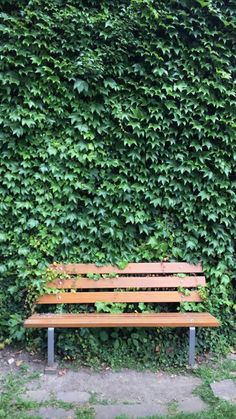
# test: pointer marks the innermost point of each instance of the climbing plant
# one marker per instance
(117, 137)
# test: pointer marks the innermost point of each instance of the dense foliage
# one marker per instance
(117, 144)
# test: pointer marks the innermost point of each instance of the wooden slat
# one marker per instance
(121, 297)
(130, 282)
(131, 268)
(122, 320)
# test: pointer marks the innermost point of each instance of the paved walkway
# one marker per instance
(108, 395)
(114, 393)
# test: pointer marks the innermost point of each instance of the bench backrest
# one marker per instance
(138, 282)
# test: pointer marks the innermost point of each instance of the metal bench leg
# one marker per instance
(50, 347)
(192, 342)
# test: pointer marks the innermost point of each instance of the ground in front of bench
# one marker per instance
(125, 392)
(109, 393)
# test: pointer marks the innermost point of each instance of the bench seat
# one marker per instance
(121, 320)
(154, 282)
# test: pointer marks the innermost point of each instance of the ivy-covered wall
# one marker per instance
(117, 144)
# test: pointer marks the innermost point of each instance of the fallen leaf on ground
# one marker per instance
(18, 362)
(62, 372)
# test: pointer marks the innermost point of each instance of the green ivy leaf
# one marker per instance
(81, 86)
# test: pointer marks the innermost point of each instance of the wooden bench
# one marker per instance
(162, 282)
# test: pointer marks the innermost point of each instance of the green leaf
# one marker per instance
(111, 83)
(81, 86)
(32, 223)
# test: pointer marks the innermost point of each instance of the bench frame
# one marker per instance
(134, 276)
(51, 346)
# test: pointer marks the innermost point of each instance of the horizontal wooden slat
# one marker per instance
(122, 320)
(121, 297)
(130, 282)
(131, 268)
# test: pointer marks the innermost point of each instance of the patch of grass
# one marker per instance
(215, 372)
(172, 407)
(85, 413)
(11, 404)
(94, 400)
(210, 374)
(117, 364)
(58, 403)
